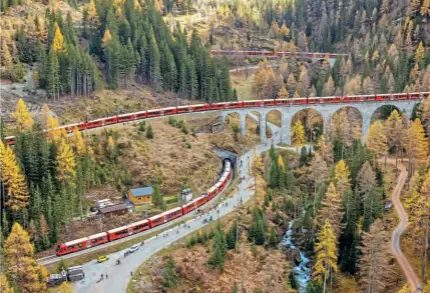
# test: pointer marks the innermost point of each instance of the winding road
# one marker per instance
(414, 282)
(119, 275)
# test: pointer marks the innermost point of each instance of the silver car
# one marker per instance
(133, 248)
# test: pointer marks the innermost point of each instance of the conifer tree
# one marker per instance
(374, 262)
(17, 194)
(58, 44)
(376, 141)
(65, 288)
(65, 162)
(4, 285)
(416, 144)
(232, 235)
(325, 149)
(342, 176)
(298, 134)
(79, 142)
(326, 254)
(170, 275)
(23, 118)
(20, 266)
(331, 210)
(219, 250)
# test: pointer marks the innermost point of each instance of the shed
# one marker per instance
(118, 209)
(141, 195)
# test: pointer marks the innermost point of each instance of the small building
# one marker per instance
(187, 195)
(140, 195)
(118, 209)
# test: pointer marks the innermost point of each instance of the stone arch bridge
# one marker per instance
(366, 109)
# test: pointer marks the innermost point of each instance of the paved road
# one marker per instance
(119, 275)
(414, 282)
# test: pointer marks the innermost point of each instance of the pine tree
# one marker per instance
(374, 262)
(149, 132)
(170, 275)
(273, 241)
(232, 235)
(219, 250)
(65, 162)
(326, 254)
(23, 118)
(20, 266)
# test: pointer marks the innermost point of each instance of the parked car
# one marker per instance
(102, 258)
(56, 279)
(133, 248)
(75, 273)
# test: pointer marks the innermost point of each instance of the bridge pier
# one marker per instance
(242, 123)
(263, 134)
(286, 127)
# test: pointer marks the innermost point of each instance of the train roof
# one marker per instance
(97, 235)
(76, 241)
(118, 229)
(139, 222)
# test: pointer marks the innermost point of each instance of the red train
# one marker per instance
(234, 105)
(137, 227)
(277, 54)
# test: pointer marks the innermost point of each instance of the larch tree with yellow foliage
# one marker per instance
(107, 38)
(65, 288)
(418, 205)
(65, 162)
(53, 132)
(79, 142)
(93, 16)
(395, 132)
(256, 170)
(58, 44)
(416, 145)
(419, 53)
(17, 195)
(21, 268)
(326, 254)
(342, 177)
(331, 210)
(376, 141)
(4, 285)
(375, 260)
(23, 118)
(325, 150)
(298, 131)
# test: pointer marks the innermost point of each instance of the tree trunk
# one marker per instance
(325, 281)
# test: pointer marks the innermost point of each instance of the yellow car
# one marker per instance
(102, 258)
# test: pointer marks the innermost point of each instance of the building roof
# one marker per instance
(114, 208)
(143, 191)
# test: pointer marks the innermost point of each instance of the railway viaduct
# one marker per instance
(366, 109)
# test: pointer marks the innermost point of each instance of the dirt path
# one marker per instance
(414, 282)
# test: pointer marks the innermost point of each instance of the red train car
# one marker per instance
(140, 226)
(126, 117)
(201, 200)
(110, 120)
(189, 207)
(119, 232)
(82, 243)
(173, 214)
(94, 123)
(253, 103)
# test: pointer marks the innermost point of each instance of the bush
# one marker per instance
(188, 145)
(149, 132)
(184, 128)
(142, 125)
(172, 121)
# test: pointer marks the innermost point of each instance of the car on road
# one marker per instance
(102, 258)
(133, 248)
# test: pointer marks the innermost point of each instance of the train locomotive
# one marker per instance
(154, 221)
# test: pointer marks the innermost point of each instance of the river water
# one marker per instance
(301, 270)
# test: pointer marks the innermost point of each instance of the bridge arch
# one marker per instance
(340, 124)
(313, 122)
(384, 111)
